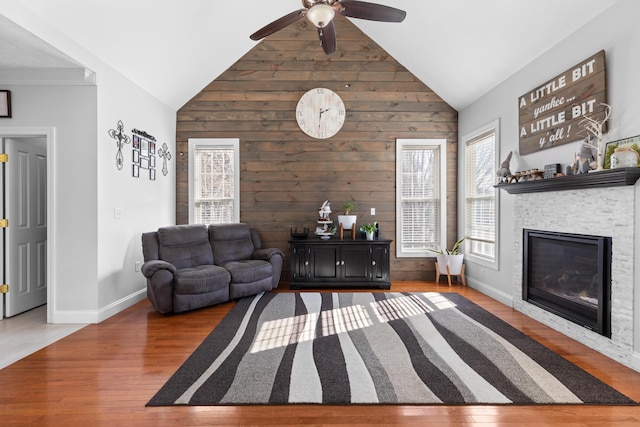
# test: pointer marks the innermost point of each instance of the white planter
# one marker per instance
(347, 221)
(370, 235)
(453, 261)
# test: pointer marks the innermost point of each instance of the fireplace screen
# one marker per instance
(570, 276)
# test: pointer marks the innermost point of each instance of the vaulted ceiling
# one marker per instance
(173, 48)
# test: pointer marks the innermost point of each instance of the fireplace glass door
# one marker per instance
(570, 276)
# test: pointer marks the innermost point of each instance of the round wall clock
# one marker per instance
(320, 113)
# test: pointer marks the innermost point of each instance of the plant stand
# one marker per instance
(353, 233)
(464, 281)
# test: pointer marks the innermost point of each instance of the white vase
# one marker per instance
(347, 221)
(370, 235)
(453, 261)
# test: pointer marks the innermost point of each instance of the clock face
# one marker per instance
(320, 113)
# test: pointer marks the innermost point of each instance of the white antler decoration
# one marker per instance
(594, 129)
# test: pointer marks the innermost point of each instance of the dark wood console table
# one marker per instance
(335, 263)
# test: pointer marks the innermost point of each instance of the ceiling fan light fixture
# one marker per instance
(320, 15)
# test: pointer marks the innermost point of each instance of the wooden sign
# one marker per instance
(550, 114)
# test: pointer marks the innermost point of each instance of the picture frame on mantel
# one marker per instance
(5, 104)
(634, 142)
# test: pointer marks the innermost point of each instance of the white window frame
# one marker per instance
(428, 144)
(492, 127)
(226, 143)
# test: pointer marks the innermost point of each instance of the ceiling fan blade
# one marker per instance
(370, 11)
(327, 36)
(278, 24)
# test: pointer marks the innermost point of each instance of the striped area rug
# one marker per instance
(374, 348)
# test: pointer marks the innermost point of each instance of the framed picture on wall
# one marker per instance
(5, 103)
(144, 148)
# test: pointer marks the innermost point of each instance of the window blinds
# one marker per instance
(480, 194)
(214, 185)
(420, 198)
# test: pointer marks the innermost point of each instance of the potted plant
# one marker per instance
(348, 221)
(369, 230)
(451, 258)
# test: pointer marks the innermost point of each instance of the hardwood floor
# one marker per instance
(104, 375)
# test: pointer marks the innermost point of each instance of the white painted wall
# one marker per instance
(95, 254)
(616, 32)
(145, 204)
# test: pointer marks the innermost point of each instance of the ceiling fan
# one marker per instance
(321, 13)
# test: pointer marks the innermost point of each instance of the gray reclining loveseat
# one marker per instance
(193, 266)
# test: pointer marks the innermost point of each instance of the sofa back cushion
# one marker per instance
(231, 242)
(185, 246)
(150, 246)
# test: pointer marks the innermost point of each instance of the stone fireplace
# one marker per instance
(603, 211)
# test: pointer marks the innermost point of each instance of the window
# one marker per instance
(420, 196)
(214, 181)
(480, 195)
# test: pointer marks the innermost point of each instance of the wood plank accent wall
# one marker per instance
(286, 175)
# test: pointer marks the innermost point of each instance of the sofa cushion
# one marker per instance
(185, 246)
(231, 242)
(201, 279)
(247, 271)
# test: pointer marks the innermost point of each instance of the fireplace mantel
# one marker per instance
(605, 178)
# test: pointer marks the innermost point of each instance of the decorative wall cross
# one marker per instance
(121, 139)
(165, 155)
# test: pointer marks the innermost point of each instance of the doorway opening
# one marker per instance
(27, 205)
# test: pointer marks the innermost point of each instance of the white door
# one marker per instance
(25, 207)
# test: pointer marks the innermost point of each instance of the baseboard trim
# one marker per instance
(116, 307)
(74, 316)
(492, 292)
(635, 361)
(100, 315)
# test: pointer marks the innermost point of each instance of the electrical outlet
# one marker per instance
(482, 272)
(373, 211)
(136, 266)
(117, 213)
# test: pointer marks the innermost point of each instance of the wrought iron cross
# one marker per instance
(165, 155)
(121, 139)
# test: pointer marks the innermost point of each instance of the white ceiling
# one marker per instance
(173, 48)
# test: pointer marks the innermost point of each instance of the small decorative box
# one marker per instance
(551, 170)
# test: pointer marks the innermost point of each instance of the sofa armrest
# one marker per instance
(149, 268)
(266, 254)
(275, 257)
(159, 276)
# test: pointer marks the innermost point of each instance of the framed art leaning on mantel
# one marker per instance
(5, 103)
